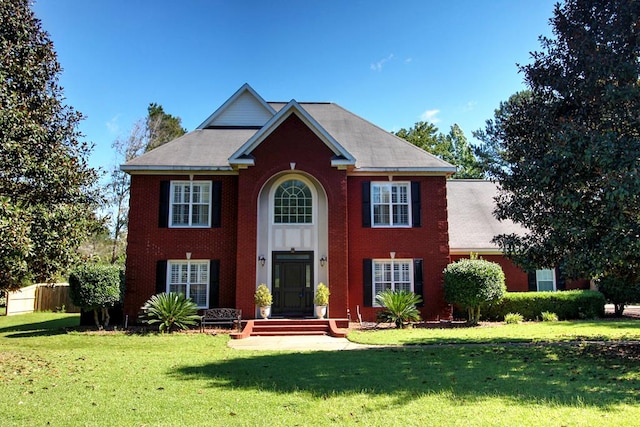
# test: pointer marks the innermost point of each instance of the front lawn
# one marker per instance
(51, 377)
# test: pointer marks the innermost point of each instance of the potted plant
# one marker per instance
(321, 299)
(263, 300)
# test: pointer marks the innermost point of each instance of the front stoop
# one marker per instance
(287, 327)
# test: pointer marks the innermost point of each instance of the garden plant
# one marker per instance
(170, 310)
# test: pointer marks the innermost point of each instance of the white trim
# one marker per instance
(188, 283)
(245, 88)
(191, 184)
(392, 262)
(390, 184)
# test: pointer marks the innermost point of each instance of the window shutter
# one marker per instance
(161, 276)
(214, 283)
(367, 279)
(415, 204)
(418, 281)
(531, 279)
(366, 204)
(561, 282)
(163, 214)
(216, 204)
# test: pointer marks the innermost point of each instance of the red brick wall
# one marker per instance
(429, 242)
(291, 142)
(147, 243)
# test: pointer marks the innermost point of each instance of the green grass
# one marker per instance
(524, 332)
(51, 377)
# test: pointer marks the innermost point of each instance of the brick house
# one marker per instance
(291, 195)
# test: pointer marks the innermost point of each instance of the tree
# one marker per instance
(453, 147)
(161, 127)
(48, 191)
(569, 147)
(96, 287)
(472, 283)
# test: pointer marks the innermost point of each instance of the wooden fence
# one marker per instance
(41, 297)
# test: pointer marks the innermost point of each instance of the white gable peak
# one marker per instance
(245, 108)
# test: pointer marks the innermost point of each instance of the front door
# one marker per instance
(292, 284)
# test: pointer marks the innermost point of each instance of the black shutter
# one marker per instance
(366, 204)
(214, 283)
(418, 282)
(163, 214)
(367, 279)
(161, 276)
(561, 282)
(216, 208)
(415, 204)
(531, 279)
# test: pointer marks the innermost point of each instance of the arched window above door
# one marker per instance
(293, 203)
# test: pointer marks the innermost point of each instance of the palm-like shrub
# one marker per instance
(399, 307)
(171, 310)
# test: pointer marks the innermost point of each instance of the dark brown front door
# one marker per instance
(292, 284)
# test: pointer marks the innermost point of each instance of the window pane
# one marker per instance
(181, 289)
(198, 294)
(292, 203)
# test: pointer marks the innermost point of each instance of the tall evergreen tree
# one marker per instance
(569, 148)
(161, 127)
(46, 186)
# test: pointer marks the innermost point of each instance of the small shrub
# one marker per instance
(170, 310)
(96, 287)
(322, 295)
(548, 316)
(399, 307)
(262, 297)
(472, 283)
(577, 304)
(513, 318)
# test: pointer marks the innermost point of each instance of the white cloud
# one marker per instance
(470, 106)
(408, 60)
(430, 116)
(112, 125)
(378, 65)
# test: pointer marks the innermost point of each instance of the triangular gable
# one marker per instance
(245, 109)
(243, 156)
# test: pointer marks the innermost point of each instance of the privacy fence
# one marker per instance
(41, 297)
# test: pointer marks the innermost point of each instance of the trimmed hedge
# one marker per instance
(568, 305)
(93, 286)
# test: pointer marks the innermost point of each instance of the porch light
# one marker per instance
(188, 254)
(392, 255)
(262, 260)
(323, 260)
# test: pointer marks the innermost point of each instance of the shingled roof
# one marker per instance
(472, 226)
(361, 145)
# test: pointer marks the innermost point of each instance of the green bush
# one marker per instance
(548, 316)
(618, 293)
(473, 283)
(96, 287)
(567, 305)
(170, 310)
(262, 297)
(399, 307)
(513, 318)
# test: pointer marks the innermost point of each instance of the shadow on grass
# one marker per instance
(42, 328)
(572, 376)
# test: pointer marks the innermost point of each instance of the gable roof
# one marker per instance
(225, 140)
(472, 226)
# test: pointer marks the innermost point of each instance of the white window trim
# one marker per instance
(553, 272)
(390, 184)
(314, 201)
(392, 262)
(191, 183)
(189, 263)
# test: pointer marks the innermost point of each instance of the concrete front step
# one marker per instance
(289, 327)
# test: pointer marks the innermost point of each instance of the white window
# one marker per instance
(393, 274)
(190, 278)
(390, 204)
(293, 203)
(190, 204)
(546, 280)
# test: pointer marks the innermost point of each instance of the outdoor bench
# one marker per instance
(220, 316)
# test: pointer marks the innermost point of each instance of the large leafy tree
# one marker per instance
(46, 186)
(161, 127)
(452, 147)
(568, 149)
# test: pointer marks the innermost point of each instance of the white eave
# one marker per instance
(242, 156)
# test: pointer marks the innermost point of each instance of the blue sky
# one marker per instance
(391, 62)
